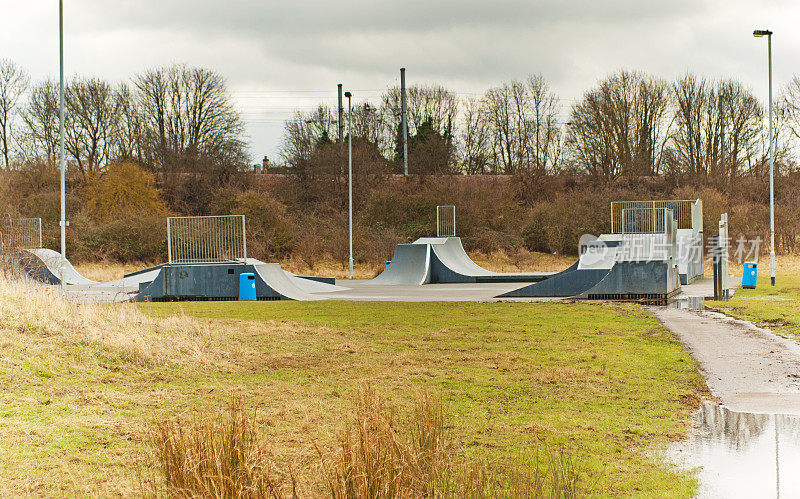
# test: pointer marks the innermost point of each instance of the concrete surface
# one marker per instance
(749, 369)
(369, 291)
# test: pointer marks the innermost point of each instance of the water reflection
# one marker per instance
(687, 302)
(742, 454)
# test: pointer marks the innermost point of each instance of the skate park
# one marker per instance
(653, 255)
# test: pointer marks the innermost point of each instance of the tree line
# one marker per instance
(179, 121)
(173, 121)
(629, 124)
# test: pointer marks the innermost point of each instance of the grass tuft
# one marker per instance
(382, 456)
(217, 456)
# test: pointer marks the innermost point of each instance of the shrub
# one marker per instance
(125, 190)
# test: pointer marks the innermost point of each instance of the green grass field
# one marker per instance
(606, 383)
(83, 384)
(777, 308)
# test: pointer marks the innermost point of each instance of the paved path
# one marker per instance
(747, 368)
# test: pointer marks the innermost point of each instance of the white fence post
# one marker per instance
(446, 221)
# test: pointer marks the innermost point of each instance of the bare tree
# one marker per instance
(475, 138)
(13, 84)
(524, 118)
(697, 139)
(433, 103)
(499, 114)
(128, 138)
(304, 132)
(621, 127)
(186, 112)
(93, 123)
(41, 122)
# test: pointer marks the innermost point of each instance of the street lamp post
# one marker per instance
(62, 157)
(759, 33)
(349, 95)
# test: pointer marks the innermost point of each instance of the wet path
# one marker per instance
(740, 454)
(748, 369)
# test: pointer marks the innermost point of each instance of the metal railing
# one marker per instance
(446, 221)
(211, 239)
(686, 213)
(21, 233)
(646, 220)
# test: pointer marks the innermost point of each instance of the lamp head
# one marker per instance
(761, 32)
(348, 94)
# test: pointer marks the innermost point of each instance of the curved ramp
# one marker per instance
(411, 265)
(451, 264)
(591, 268)
(273, 279)
(45, 265)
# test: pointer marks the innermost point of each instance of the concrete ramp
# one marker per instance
(637, 280)
(45, 265)
(594, 264)
(271, 278)
(564, 284)
(451, 264)
(411, 265)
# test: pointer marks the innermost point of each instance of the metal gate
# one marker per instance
(210, 239)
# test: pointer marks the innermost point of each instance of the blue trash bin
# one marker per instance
(247, 286)
(749, 275)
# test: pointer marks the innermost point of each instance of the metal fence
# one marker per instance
(21, 233)
(688, 214)
(446, 221)
(207, 239)
(646, 220)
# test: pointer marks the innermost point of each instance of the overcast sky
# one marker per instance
(278, 55)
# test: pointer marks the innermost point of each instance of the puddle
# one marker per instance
(740, 454)
(687, 302)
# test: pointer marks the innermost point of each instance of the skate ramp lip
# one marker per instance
(47, 261)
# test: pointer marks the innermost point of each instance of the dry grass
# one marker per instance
(523, 261)
(380, 454)
(109, 271)
(214, 456)
(121, 330)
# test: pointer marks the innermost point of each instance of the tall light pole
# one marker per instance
(759, 33)
(350, 173)
(404, 119)
(63, 158)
